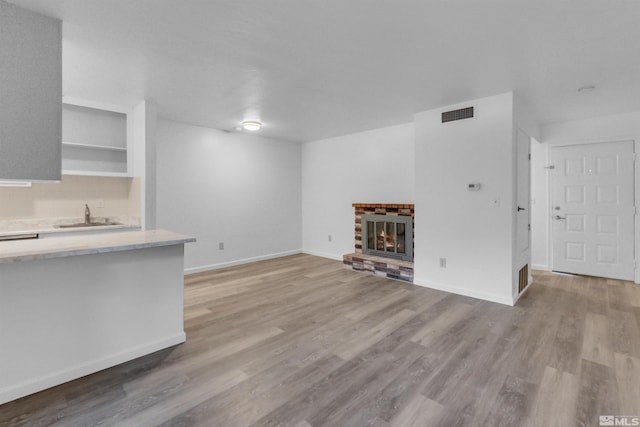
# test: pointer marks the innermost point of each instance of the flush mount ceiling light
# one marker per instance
(251, 125)
(587, 88)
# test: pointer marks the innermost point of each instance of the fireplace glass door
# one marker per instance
(387, 236)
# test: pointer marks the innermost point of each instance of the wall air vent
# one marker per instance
(463, 113)
(523, 278)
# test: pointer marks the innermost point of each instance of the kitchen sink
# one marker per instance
(90, 224)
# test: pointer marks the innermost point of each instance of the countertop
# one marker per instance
(17, 227)
(58, 247)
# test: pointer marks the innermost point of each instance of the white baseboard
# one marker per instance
(542, 267)
(516, 297)
(192, 270)
(42, 383)
(466, 292)
(322, 254)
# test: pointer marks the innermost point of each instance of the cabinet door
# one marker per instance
(30, 95)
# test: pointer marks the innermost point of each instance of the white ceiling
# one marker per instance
(314, 69)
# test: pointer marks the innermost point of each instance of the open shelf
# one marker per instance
(95, 173)
(93, 161)
(93, 147)
(94, 141)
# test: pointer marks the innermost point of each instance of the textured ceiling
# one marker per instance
(314, 69)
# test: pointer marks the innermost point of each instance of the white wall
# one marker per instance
(466, 227)
(62, 329)
(235, 188)
(524, 118)
(617, 127)
(367, 167)
(141, 145)
(614, 127)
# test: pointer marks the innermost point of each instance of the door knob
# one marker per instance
(521, 209)
(558, 217)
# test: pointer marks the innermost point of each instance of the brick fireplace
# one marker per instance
(391, 265)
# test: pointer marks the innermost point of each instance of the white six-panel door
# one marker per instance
(592, 202)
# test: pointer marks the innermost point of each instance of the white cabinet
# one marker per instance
(94, 140)
(30, 93)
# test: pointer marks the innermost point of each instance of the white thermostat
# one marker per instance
(474, 186)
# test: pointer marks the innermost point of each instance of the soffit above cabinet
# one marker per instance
(30, 95)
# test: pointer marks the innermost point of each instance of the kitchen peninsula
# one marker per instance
(71, 306)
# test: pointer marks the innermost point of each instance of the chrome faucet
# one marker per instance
(87, 214)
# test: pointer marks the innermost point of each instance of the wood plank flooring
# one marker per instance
(301, 341)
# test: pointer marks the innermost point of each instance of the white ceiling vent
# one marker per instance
(463, 113)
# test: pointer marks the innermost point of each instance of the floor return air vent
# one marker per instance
(523, 278)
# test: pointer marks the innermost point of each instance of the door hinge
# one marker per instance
(529, 156)
(550, 167)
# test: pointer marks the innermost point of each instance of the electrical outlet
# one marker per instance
(221, 246)
(329, 237)
(443, 263)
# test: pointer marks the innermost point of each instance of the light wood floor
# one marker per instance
(302, 341)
